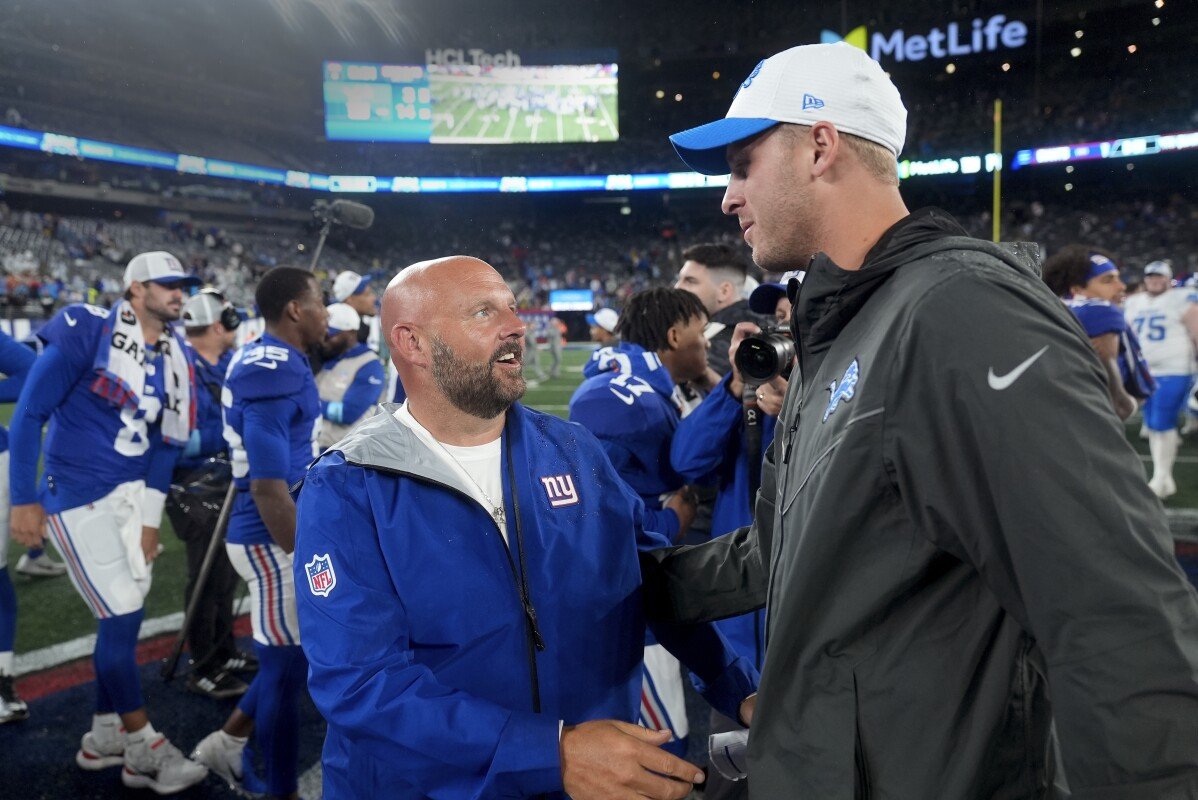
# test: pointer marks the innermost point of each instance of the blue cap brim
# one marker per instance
(764, 298)
(182, 280)
(362, 286)
(592, 321)
(703, 149)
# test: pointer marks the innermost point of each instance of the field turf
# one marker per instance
(51, 611)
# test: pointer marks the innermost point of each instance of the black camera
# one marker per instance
(766, 355)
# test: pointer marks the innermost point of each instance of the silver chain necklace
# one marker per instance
(497, 511)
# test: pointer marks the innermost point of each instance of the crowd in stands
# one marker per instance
(48, 259)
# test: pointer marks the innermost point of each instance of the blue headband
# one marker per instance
(1100, 265)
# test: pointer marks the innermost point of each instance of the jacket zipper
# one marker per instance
(532, 631)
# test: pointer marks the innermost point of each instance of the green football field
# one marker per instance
(51, 612)
(461, 120)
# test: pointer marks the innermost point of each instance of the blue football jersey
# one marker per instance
(91, 445)
(270, 386)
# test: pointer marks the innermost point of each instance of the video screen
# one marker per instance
(571, 300)
(470, 104)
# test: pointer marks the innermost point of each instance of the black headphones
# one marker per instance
(228, 314)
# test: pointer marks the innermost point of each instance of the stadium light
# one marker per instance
(659, 94)
(1069, 187)
(715, 76)
(1075, 52)
(1160, 3)
(1156, 21)
(1006, 67)
(1131, 48)
(1079, 34)
(951, 68)
(1069, 168)
(678, 98)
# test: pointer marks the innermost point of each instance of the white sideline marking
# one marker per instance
(61, 653)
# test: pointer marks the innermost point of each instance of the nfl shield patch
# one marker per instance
(321, 578)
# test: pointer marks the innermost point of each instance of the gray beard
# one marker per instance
(472, 388)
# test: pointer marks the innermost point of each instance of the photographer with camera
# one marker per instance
(198, 488)
(725, 436)
(716, 274)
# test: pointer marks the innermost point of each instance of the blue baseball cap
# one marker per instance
(605, 318)
(835, 83)
(764, 298)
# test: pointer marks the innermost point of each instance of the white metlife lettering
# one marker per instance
(987, 36)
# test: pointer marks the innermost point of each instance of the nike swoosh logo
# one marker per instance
(71, 322)
(375, 380)
(999, 383)
(266, 364)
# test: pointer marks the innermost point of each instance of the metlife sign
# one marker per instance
(955, 39)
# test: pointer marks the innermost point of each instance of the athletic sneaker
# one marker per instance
(41, 567)
(159, 766)
(98, 751)
(12, 707)
(1163, 486)
(241, 661)
(220, 686)
(221, 753)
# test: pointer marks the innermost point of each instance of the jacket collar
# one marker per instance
(830, 297)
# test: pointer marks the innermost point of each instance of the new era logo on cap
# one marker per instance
(811, 101)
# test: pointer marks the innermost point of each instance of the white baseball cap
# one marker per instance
(835, 83)
(347, 284)
(605, 318)
(202, 309)
(158, 266)
(343, 318)
(1159, 268)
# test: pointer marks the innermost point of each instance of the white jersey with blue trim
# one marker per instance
(1164, 338)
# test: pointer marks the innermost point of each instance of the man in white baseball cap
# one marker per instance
(603, 326)
(955, 521)
(356, 292)
(159, 267)
(351, 380)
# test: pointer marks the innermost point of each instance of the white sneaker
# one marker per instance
(41, 567)
(12, 707)
(159, 766)
(221, 753)
(1163, 487)
(100, 752)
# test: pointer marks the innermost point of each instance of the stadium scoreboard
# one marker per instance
(482, 102)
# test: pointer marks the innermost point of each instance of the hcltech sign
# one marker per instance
(983, 36)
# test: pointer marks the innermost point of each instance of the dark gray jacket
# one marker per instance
(951, 528)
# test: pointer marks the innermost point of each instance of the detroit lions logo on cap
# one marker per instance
(844, 389)
(321, 578)
(753, 74)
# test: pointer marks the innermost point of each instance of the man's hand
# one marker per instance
(770, 396)
(742, 330)
(683, 503)
(610, 759)
(149, 543)
(747, 706)
(27, 524)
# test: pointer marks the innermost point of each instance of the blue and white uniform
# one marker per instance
(445, 660)
(15, 362)
(1168, 349)
(107, 466)
(272, 413)
(1100, 318)
(630, 405)
(208, 438)
(119, 411)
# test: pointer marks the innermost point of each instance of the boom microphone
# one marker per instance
(351, 214)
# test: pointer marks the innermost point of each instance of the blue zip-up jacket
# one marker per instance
(628, 404)
(208, 438)
(711, 440)
(424, 657)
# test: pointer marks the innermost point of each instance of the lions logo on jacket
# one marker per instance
(844, 389)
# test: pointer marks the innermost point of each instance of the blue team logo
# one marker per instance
(844, 389)
(753, 74)
(810, 101)
(321, 578)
